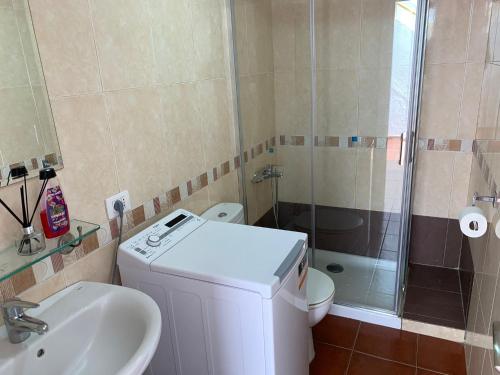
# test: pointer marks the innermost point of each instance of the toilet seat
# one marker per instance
(320, 288)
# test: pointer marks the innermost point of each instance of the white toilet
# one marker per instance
(320, 287)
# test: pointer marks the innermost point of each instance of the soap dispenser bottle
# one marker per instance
(54, 211)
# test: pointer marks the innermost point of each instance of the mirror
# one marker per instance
(27, 132)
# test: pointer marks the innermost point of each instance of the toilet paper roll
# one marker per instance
(473, 223)
(496, 225)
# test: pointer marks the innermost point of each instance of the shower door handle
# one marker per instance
(402, 148)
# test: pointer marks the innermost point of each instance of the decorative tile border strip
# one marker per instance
(437, 144)
(356, 141)
(109, 231)
(33, 164)
(480, 149)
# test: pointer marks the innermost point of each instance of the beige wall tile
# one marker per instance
(45, 289)
(448, 28)
(433, 183)
(337, 98)
(218, 132)
(371, 185)
(377, 29)
(259, 196)
(302, 37)
(89, 175)
(210, 60)
(460, 183)
(295, 185)
(471, 100)
(479, 30)
(292, 99)
(259, 36)
(139, 141)
(172, 30)
(335, 177)
(338, 47)
(240, 28)
(374, 101)
(490, 101)
(182, 124)
(123, 40)
(196, 203)
(97, 266)
(225, 189)
(441, 98)
(257, 108)
(284, 27)
(65, 39)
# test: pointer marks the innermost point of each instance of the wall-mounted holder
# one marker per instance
(493, 199)
(68, 239)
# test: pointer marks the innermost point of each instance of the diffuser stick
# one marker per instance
(23, 207)
(38, 200)
(10, 211)
(26, 199)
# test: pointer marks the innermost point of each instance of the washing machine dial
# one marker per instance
(154, 240)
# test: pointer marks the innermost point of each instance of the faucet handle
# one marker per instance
(15, 306)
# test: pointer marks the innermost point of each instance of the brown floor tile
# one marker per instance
(336, 331)
(434, 304)
(441, 355)
(389, 343)
(329, 360)
(363, 364)
(438, 278)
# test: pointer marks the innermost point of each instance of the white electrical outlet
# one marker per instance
(124, 198)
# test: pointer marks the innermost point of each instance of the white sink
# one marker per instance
(94, 329)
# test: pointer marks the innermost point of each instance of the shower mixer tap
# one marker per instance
(269, 171)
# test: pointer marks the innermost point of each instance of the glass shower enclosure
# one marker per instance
(327, 94)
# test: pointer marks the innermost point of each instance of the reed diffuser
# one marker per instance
(32, 241)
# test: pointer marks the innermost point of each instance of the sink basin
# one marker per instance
(94, 329)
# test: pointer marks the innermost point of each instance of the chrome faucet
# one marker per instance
(269, 171)
(19, 325)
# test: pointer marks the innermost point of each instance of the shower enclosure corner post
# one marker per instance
(411, 148)
(312, 46)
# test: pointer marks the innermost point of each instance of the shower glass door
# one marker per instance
(364, 68)
(325, 91)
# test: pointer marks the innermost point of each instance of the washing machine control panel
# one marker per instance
(162, 235)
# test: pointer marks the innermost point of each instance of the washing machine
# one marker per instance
(232, 297)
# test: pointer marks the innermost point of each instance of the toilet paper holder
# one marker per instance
(493, 199)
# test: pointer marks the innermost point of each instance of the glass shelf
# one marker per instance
(12, 263)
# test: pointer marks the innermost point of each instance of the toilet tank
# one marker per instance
(225, 212)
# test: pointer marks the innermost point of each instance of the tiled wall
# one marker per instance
(455, 56)
(482, 269)
(454, 65)
(141, 95)
(253, 24)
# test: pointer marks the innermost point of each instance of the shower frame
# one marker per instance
(410, 146)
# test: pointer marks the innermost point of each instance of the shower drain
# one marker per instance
(335, 268)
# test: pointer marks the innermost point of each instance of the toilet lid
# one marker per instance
(319, 287)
